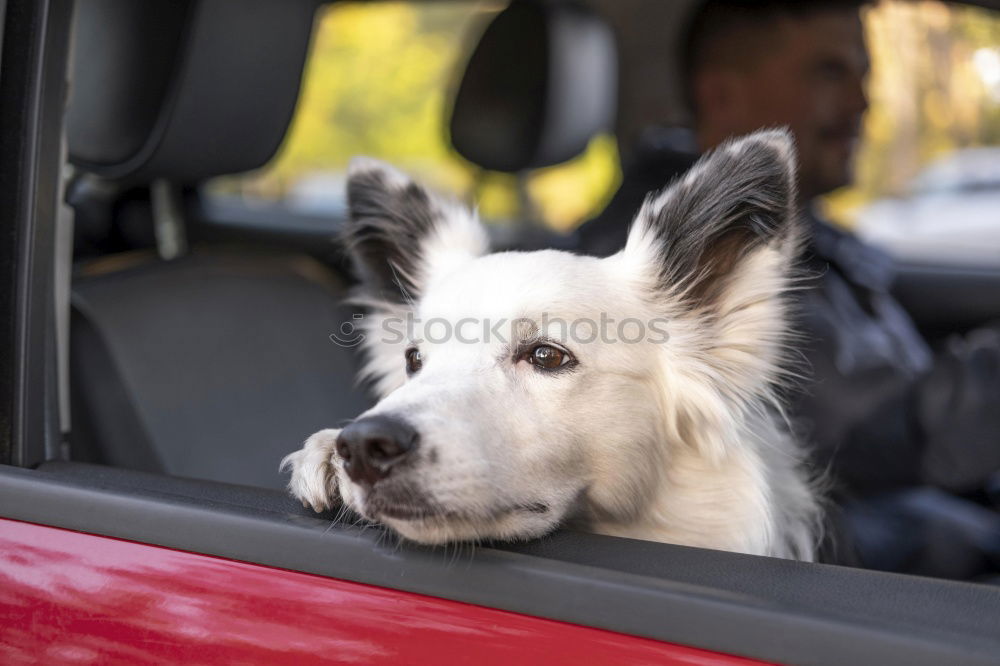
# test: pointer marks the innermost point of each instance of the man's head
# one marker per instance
(799, 63)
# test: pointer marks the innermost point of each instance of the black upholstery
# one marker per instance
(217, 364)
(213, 366)
(540, 84)
(183, 89)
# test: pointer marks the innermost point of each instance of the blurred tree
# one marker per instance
(934, 89)
(379, 81)
(375, 84)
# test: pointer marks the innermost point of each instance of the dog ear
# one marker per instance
(717, 248)
(399, 234)
(697, 233)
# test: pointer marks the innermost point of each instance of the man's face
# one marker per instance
(809, 76)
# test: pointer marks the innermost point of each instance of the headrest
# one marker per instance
(183, 89)
(540, 84)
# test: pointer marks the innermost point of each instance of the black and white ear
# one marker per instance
(715, 251)
(697, 236)
(400, 235)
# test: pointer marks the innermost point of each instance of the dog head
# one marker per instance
(520, 389)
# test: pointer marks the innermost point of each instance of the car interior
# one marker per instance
(226, 399)
(189, 349)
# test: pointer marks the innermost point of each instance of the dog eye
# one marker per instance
(548, 357)
(414, 361)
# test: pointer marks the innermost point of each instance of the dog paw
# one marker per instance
(314, 479)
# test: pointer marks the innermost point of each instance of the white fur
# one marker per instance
(678, 441)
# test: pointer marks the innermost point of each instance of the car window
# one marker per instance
(928, 170)
(927, 178)
(379, 82)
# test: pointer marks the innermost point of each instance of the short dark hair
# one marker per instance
(716, 20)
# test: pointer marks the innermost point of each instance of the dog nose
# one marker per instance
(372, 446)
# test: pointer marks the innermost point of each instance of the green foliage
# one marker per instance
(376, 84)
(930, 93)
(379, 81)
(380, 77)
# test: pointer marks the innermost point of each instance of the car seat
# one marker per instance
(217, 361)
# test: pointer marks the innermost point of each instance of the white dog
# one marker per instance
(669, 432)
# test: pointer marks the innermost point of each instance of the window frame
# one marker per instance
(758, 607)
(32, 101)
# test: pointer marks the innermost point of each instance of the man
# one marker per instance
(748, 65)
(881, 412)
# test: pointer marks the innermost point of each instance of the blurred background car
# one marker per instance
(949, 213)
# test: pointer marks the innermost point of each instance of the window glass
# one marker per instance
(380, 77)
(378, 82)
(928, 170)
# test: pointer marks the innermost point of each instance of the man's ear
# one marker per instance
(696, 235)
(400, 235)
